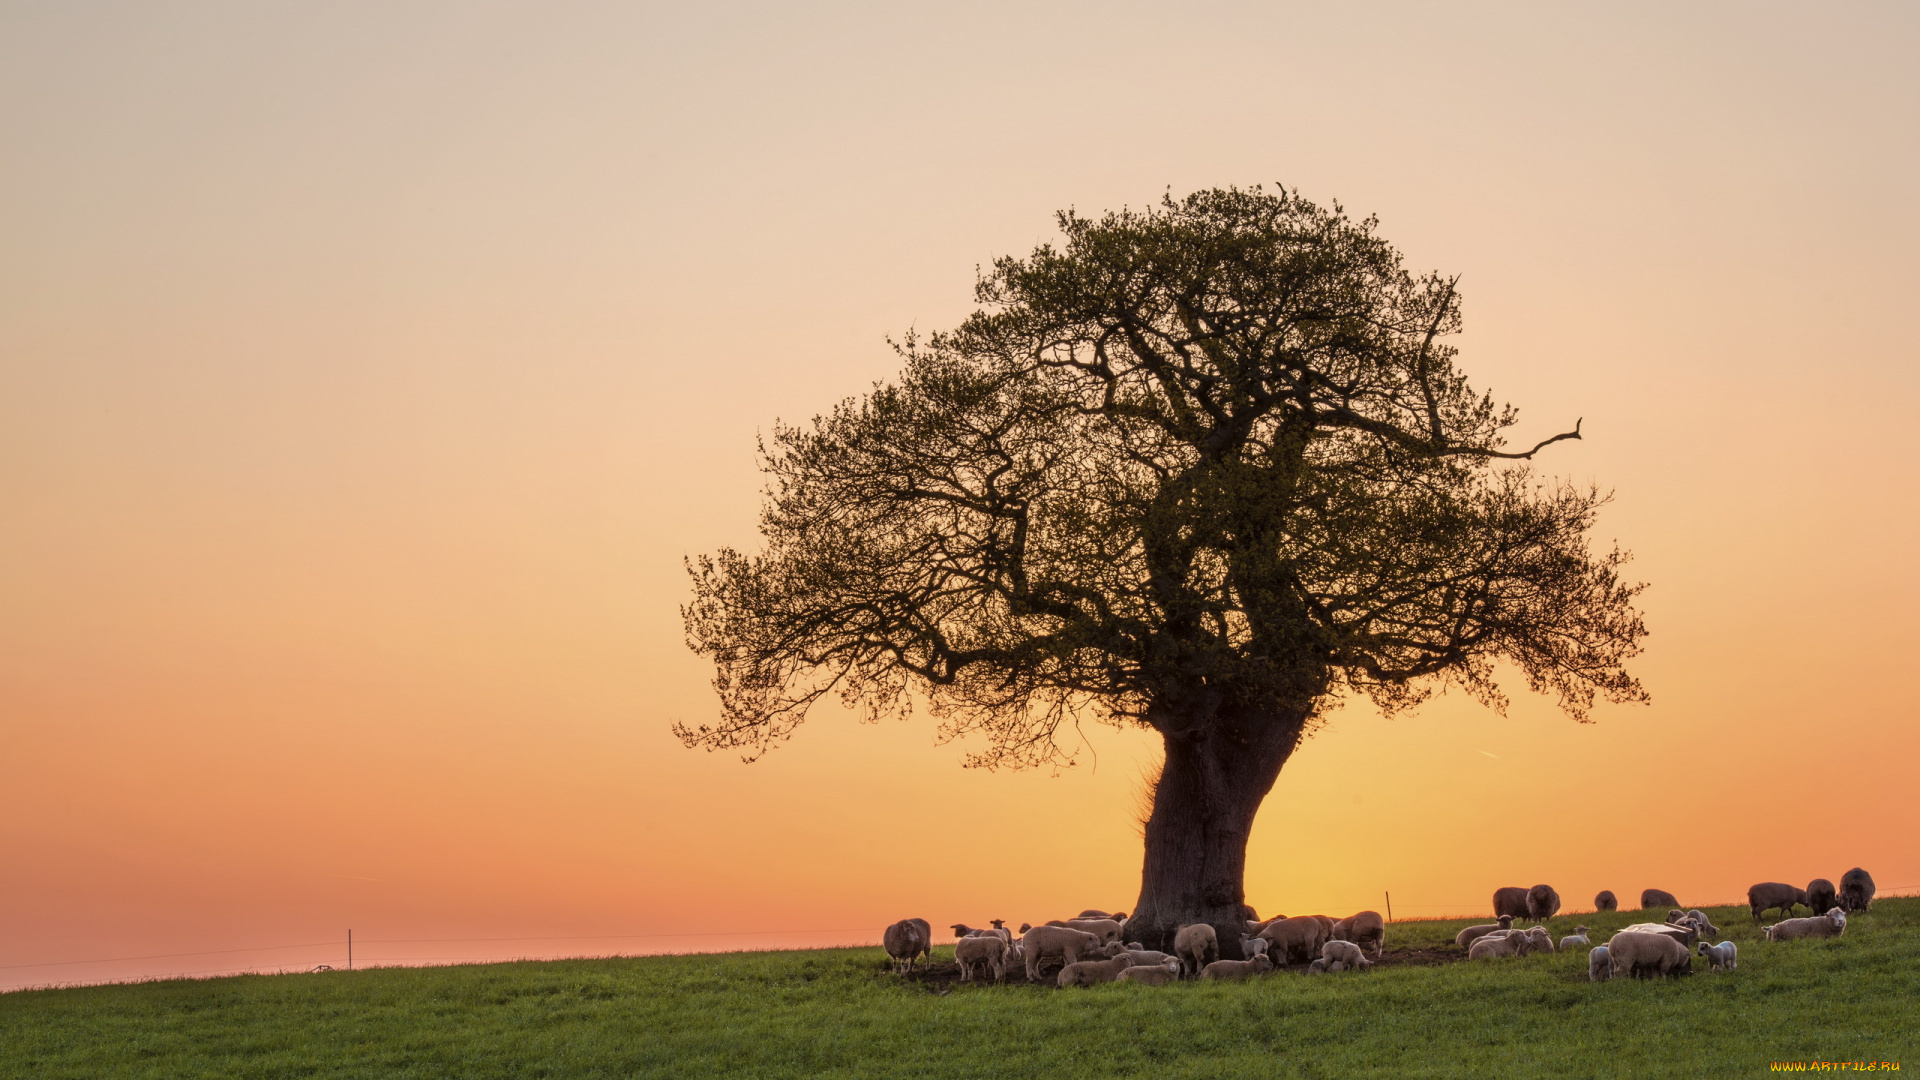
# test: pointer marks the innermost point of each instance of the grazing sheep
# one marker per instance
(1197, 946)
(1365, 929)
(1511, 900)
(1656, 898)
(1606, 901)
(906, 941)
(1348, 953)
(1465, 938)
(1647, 955)
(1722, 957)
(1821, 894)
(1494, 946)
(1542, 903)
(1151, 974)
(1236, 969)
(1105, 929)
(986, 952)
(1318, 967)
(1774, 894)
(1599, 967)
(1090, 972)
(1856, 890)
(1705, 925)
(1832, 924)
(1296, 939)
(1045, 942)
(1578, 937)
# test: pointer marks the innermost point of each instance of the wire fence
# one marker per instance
(340, 945)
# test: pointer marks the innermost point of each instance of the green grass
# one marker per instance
(837, 1013)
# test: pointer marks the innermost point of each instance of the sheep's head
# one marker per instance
(1261, 963)
(1024, 927)
(1114, 948)
(998, 924)
(1506, 922)
(1581, 930)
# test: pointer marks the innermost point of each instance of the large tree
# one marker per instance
(1207, 468)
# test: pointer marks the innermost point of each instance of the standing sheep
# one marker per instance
(1465, 938)
(1236, 969)
(1774, 894)
(1347, 953)
(1606, 901)
(1296, 939)
(1365, 929)
(1821, 894)
(982, 952)
(906, 941)
(1045, 942)
(1197, 946)
(1722, 957)
(1656, 898)
(1510, 900)
(1647, 955)
(1856, 890)
(1542, 903)
(1599, 967)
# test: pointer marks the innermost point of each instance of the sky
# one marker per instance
(367, 372)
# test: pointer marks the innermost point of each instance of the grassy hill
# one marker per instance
(838, 1013)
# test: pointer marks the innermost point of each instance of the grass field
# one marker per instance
(838, 1013)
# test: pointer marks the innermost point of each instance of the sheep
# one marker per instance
(1722, 957)
(1510, 900)
(1297, 938)
(1821, 894)
(1197, 946)
(1604, 900)
(1326, 926)
(1345, 952)
(1599, 967)
(984, 951)
(962, 930)
(1045, 942)
(1832, 924)
(1095, 913)
(1322, 966)
(1654, 898)
(1647, 955)
(1542, 903)
(1578, 937)
(1493, 946)
(1236, 969)
(1542, 940)
(1684, 933)
(1774, 894)
(1142, 956)
(906, 941)
(1251, 947)
(1089, 972)
(1465, 938)
(1705, 925)
(1856, 890)
(1105, 929)
(1366, 929)
(1151, 974)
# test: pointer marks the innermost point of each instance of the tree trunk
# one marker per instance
(1211, 785)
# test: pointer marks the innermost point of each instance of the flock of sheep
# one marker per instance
(1092, 946)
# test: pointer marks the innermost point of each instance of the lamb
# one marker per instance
(1774, 894)
(1647, 955)
(1705, 925)
(1578, 937)
(1366, 929)
(1655, 898)
(1599, 967)
(1045, 942)
(1253, 946)
(1090, 972)
(1197, 946)
(1856, 890)
(1832, 924)
(1542, 903)
(1297, 938)
(1465, 938)
(1236, 969)
(1322, 966)
(984, 952)
(1493, 946)
(1722, 957)
(1347, 953)
(906, 941)
(1604, 900)
(1151, 974)
(1542, 940)
(1821, 894)
(1510, 900)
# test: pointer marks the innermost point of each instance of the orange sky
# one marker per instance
(366, 373)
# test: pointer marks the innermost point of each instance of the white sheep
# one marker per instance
(1347, 953)
(1045, 942)
(1237, 969)
(1105, 929)
(1466, 937)
(1832, 924)
(1141, 956)
(984, 951)
(1722, 957)
(1703, 924)
(1599, 967)
(1197, 946)
(1151, 974)
(1542, 940)
(1090, 972)
(1494, 946)
(1578, 937)
(1251, 947)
